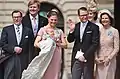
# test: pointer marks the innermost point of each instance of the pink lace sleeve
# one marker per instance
(40, 32)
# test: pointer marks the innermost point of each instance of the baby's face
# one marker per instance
(50, 31)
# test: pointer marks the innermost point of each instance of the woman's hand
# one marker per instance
(37, 41)
(61, 44)
(106, 61)
(99, 61)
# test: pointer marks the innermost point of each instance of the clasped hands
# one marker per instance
(17, 50)
(104, 61)
(80, 57)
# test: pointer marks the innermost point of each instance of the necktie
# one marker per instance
(34, 26)
(82, 28)
(18, 34)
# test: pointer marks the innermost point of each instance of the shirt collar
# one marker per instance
(17, 25)
(85, 23)
(31, 17)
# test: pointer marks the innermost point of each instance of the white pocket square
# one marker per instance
(26, 36)
(89, 32)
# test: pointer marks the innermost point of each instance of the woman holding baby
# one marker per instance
(50, 40)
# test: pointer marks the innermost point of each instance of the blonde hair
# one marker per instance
(92, 5)
(31, 2)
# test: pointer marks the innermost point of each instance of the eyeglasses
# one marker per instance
(16, 17)
(83, 15)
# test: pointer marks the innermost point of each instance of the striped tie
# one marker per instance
(18, 32)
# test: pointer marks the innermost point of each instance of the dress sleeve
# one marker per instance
(62, 36)
(40, 32)
(116, 44)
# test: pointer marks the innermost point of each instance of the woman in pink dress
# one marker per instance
(50, 40)
(109, 47)
(53, 70)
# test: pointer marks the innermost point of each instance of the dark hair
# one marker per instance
(52, 13)
(111, 19)
(82, 8)
(17, 11)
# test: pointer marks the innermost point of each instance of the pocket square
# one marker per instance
(89, 32)
(26, 36)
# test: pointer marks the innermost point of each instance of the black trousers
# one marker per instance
(82, 69)
(12, 68)
(1, 71)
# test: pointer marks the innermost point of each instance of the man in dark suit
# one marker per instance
(15, 41)
(86, 40)
(34, 21)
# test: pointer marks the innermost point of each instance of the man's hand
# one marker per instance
(82, 59)
(80, 56)
(18, 50)
(71, 25)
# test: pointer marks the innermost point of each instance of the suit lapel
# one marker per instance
(23, 35)
(86, 29)
(39, 22)
(77, 33)
(14, 34)
(29, 21)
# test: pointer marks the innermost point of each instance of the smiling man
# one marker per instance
(15, 41)
(34, 21)
(85, 34)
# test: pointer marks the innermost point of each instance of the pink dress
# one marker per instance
(53, 70)
(47, 64)
(109, 47)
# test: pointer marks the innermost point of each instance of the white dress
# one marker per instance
(39, 64)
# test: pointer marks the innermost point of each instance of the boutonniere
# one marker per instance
(110, 33)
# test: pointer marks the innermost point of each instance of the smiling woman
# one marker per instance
(50, 40)
(109, 47)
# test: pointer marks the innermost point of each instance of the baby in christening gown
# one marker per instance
(39, 64)
(50, 33)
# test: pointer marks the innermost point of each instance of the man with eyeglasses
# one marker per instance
(85, 36)
(15, 41)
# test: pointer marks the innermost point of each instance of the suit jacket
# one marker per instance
(9, 41)
(42, 21)
(89, 44)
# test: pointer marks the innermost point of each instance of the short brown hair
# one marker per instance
(82, 8)
(52, 13)
(17, 11)
(34, 1)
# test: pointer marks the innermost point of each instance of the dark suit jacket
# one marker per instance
(89, 44)
(42, 21)
(9, 41)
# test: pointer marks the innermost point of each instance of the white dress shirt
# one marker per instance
(20, 30)
(34, 24)
(82, 29)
